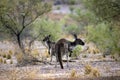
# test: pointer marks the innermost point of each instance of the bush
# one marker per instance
(11, 62)
(8, 56)
(48, 27)
(1, 60)
(73, 73)
(71, 9)
(102, 34)
(35, 53)
(5, 61)
(76, 51)
(19, 57)
(73, 28)
(58, 8)
(4, 55)
(10, 52)
(91, 71)
(72, 2)
(84, 56)
(88, 69)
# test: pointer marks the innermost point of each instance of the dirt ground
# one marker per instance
(108, 69)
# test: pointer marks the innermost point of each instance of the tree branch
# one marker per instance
(8, 27)
(23, 26)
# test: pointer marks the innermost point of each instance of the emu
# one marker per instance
(64, 46)
(51, 46)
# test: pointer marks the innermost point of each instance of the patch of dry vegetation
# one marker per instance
(91, 71)
(73, 73)
(19, 57)
(18, 74)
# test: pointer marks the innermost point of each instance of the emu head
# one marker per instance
(78, 41)
(47, 38)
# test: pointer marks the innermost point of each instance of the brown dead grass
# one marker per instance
(98, 78)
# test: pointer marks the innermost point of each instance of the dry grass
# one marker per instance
(35, 53)
(17, 74)
(10, 52)
(46, 54)
(91, 71)
(93, 50)
(1, 60)
(73, 73)
(4, 61)
(19, 57)
(8, 56)
(11, 62)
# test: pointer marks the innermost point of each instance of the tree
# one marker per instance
(18, 15)
(106, 30)
(107, 10)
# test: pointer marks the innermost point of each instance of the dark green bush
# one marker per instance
(76, 51)
(8, 56)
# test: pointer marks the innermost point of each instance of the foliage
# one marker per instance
(71, 9)
(1, 60)
(106, 29)
(8, 56)
(76, 51)
(72, 2)
(102, 34)
(16, 17)
(48, 27)
(73, 28)
(84, 17)
(106, 9)
(4, 55)
(5, 61)
(10, 52)
(58, 8)
(11, 62)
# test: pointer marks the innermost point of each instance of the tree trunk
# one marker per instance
(26, 58)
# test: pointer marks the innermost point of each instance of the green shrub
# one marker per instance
(10, 52)
(11, 62)
(8, 56)
(84, 56)
(58, 8)
(72, 28)
(71, 8)
(76, 51)
(4, 55)
(5, 61)
(103, 34)
(1, 60)
(72, 2)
